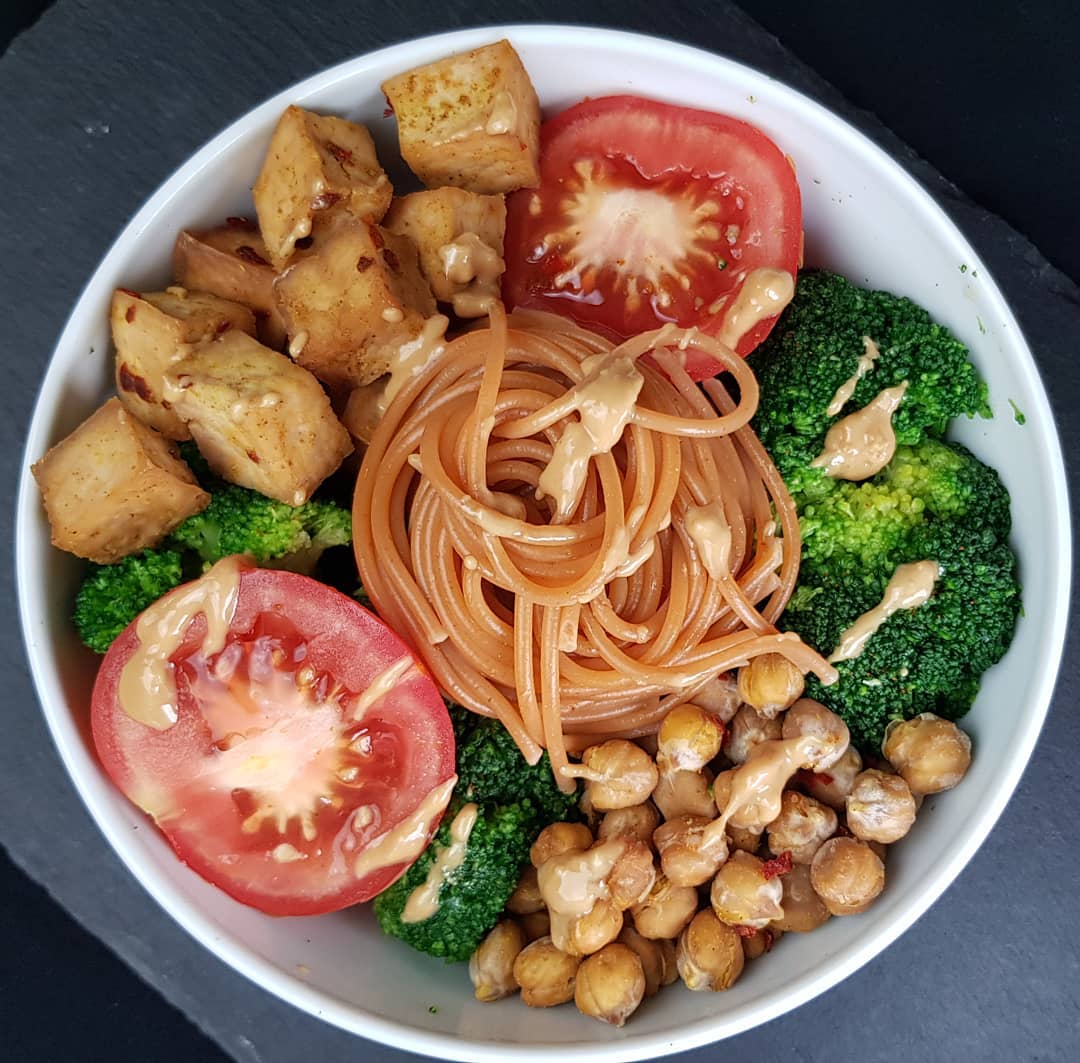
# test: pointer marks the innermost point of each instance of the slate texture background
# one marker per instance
(98, 104)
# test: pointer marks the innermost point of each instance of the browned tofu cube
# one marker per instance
(152, 331)
(231, 261)
(315, 163)
(459, 236)
(258, 418)
(115, 486)
(470, 120)
(351, 302)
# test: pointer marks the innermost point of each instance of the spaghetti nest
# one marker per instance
(576, 538)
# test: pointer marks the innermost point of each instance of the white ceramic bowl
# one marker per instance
(865, 217)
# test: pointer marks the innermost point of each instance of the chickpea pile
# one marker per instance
(754, 818)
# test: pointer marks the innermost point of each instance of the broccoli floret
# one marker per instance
(474, 894)
(492, 770)
(241, 521)
(815, 348)
(934, 502)
(861, 523)
(111, 596)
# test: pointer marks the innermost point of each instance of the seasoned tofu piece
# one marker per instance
(115, 486)
(352, 301)
(470, 120)
(315, 163)
(231, 260)
(151, 331)
(259, 419)
(459, 236)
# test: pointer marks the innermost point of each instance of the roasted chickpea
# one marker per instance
(666, 910)
(803, 909)
(545, 974)
(930, 753)
(610, 984)
(770, 683)
(690, 852)
(741, 895)
(743, 839)
(811, 720)
(688, 738)
(632, 875)
(491, 966)
(657, 959)
(535, 924)
(720, 696)
(583, 935)
(760, 942)
(748, 728)
(526, 897)
(802, 827)
(832, 787)
(558, 838)
(847, 875)
(880, 807)
(685, 793)
(637, 821)
(617, 774)
(709, 953)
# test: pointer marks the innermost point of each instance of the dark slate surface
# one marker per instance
(98, 104)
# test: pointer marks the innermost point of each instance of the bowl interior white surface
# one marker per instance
(865, 218)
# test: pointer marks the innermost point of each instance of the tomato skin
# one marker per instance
(176, 775)
(725, 193)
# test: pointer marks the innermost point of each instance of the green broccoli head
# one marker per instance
(492, 770)
(472, 895)
(863, 524)
(815, 348)
(111, 596)
(927, 659)
(241, 521)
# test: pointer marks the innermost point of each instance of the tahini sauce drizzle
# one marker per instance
(710, 533)
(423, 902)
(863, 443)
(764, 294)
(380, 686)
(476, 266)
(847, 388)
(405, 842)
(911, 586)
(605, 402)
(147, 686)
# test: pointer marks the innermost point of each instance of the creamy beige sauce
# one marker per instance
(911, 586)
(710, 533)
(573, 882)
(474, 268)
(764, 294)
(297, 344)
(604, 401)
(380, 686)
(147, 686)
(503, 116)
(414, 356)
(393, 315)
(423, 902)
(758, 783)
(405, 842)
(847, 388)
(863, 443)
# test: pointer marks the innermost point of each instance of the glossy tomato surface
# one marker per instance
(649, 213)
(273, 779)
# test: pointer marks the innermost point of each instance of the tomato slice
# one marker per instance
(278, 773)
(648, 213)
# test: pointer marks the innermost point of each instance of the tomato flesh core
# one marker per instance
(647, 214)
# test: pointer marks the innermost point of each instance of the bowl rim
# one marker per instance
(351, 1017)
